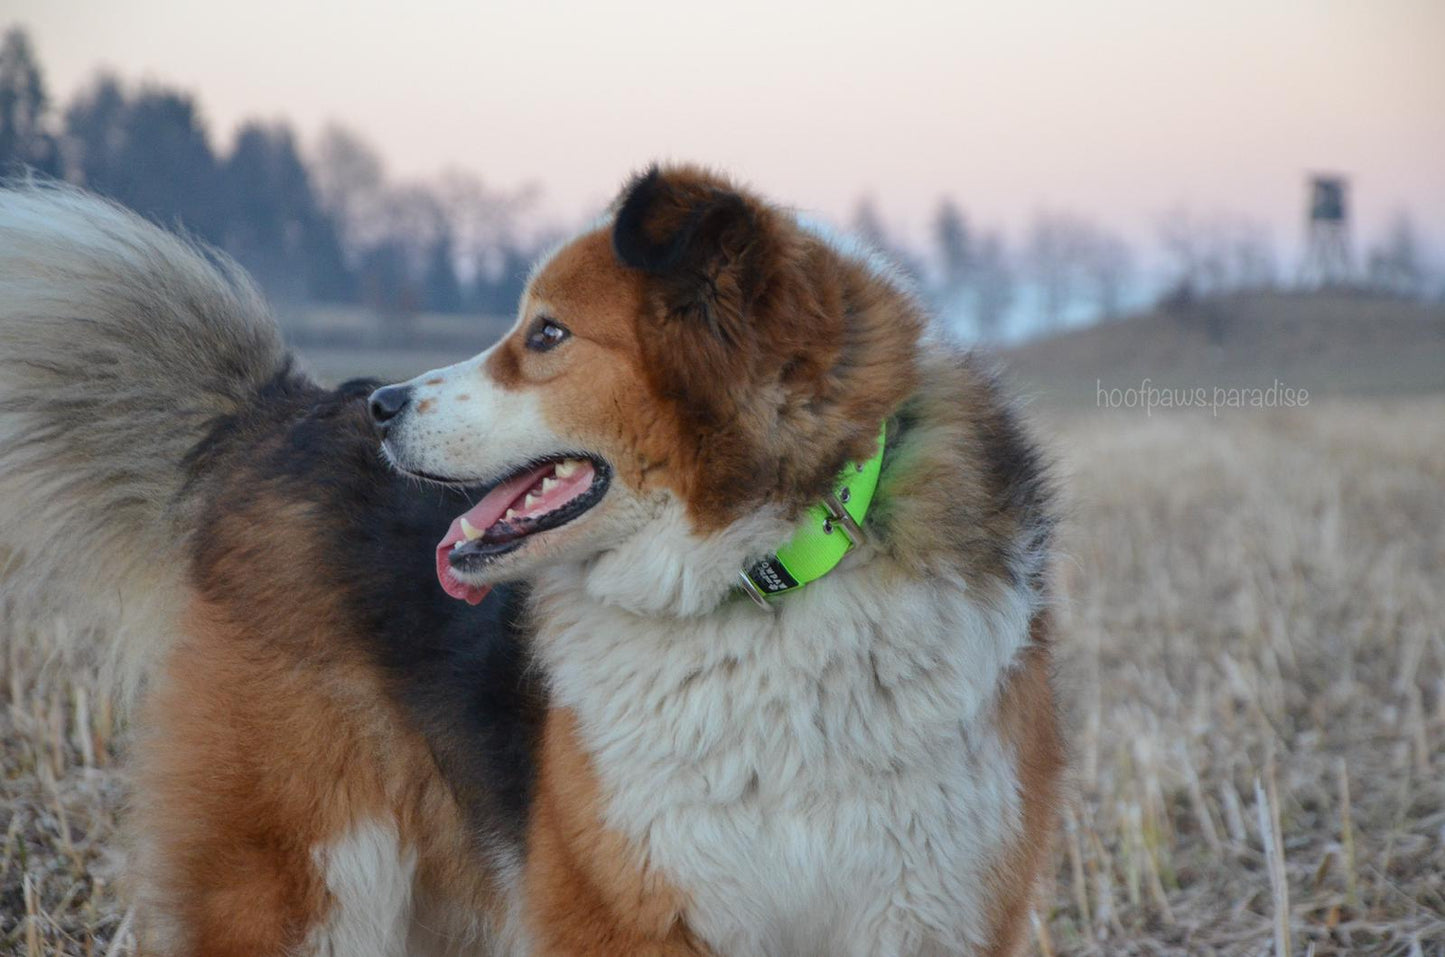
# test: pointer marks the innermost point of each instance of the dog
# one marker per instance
(706, 613)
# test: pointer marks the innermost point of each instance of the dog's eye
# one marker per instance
(546, 334)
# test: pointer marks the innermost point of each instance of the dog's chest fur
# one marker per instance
(822, 779)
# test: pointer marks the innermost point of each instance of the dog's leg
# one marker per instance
(1027, 719)
(267, 804)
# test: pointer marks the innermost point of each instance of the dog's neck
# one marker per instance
(662, 626)
(935, 604)
(668, 570)
(935, 514)
(831, 529)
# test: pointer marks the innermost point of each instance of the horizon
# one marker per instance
(1144, 126)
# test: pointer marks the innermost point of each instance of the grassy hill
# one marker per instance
(1328, 343)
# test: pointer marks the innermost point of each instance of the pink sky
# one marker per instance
(1117, 109)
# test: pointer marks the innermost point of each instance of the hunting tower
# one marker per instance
(1327, 259)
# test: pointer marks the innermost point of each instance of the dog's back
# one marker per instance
(323, 734)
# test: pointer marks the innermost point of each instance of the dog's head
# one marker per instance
(699, 361)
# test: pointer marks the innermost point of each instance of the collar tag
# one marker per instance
(833, 528)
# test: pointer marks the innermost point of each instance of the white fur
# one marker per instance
(664, 569)
(650, 563)
(818, 779)
(369, 877)
(476, 439)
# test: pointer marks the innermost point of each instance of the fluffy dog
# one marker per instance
(704, 614)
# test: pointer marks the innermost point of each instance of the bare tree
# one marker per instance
(954, 260)
(993, 286)
(1186, 247)
(1057, 254)
(1216, 254)
(1254, 263)
(350, 180)
(420, 243)
(390, 233)
(868, 226)
(413, 260)
(487, 222)
(1073, 262)
(955, 248)
(1109, 266)
(415, 215)
(868, 223)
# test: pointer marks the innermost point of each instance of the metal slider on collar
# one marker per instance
(838, 517)
(751, 589)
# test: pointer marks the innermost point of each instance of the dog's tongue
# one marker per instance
(481, 516)
(471, 594)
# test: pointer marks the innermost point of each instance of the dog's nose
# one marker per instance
(387, 402)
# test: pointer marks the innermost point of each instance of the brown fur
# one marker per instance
(1026, 716)
(272, 739)
(967, 489)
(255, 770)
(587, 893)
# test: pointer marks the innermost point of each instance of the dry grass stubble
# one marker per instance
(1251, 633)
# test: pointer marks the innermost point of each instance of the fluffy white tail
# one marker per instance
(121, 346)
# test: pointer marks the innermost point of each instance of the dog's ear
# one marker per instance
(704, 245)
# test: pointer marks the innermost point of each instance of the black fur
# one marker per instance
(460, 673)
(703, 245)
(1019, 480)
(630, 241)
(686, 245)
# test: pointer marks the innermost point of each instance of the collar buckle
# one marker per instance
(839, 517)
(751, 589)
(815, 549)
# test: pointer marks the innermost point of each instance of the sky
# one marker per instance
(1119, 110)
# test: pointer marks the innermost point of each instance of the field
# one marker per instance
(1252, 624)
(1330, 344)
(1251, 618)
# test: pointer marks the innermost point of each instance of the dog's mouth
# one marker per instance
(531, 500)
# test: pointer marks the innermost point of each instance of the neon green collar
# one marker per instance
(833, 529)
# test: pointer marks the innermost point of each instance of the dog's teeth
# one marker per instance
(548, 484)
(511, 514)
(567, 467)
(457, 545)
(470, 531)
(529, 501)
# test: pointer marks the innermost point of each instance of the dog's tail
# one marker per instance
(121, 347)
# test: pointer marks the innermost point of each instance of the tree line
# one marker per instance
(329, 225)
(1067, 269)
